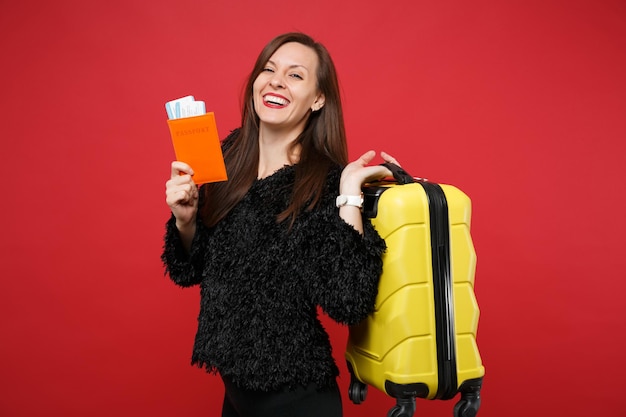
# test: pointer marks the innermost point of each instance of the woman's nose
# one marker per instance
(276, 81)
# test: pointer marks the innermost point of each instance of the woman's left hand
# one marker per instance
(358, 172)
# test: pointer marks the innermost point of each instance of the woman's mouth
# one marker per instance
(272, 100)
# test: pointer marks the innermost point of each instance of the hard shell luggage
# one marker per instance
(420, 342)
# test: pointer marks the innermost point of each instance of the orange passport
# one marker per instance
(197, 143)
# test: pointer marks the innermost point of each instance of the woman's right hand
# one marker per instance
(181, 194)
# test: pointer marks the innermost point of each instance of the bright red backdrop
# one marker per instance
(522, 104)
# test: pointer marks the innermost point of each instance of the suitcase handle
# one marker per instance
(399, 174)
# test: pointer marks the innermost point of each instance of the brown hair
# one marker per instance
(322, 142)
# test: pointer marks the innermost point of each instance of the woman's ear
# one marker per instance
(318, 103)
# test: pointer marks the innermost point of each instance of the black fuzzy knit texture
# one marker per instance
(261, 285)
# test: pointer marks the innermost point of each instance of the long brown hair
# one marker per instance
(322, 142)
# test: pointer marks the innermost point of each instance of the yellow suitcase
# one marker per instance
(420, 342)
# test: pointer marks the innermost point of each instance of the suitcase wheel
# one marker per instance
(467, 407)
(405, 407)
(357, 391)
(469, 403)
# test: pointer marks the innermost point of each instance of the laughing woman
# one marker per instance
(282, 237)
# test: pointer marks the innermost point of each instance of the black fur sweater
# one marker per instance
(260, 286)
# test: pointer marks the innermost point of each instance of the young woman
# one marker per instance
(282, 237)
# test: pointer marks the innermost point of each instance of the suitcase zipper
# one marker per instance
(442, 288)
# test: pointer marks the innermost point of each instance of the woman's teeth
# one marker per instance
(276, 100)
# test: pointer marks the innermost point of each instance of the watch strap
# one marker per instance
(350, 200)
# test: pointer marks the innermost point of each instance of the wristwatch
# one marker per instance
(350, 200)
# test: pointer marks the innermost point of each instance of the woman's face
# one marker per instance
(286, 90)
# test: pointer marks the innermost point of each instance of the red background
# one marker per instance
(521, 104)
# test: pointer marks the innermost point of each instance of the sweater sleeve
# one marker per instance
(184, 268)
(347, 264)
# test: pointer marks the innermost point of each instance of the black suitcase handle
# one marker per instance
(399, 174)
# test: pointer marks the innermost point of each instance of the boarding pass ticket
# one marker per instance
(184, 107)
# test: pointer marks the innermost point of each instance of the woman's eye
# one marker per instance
(298, 76)
(268, 69)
